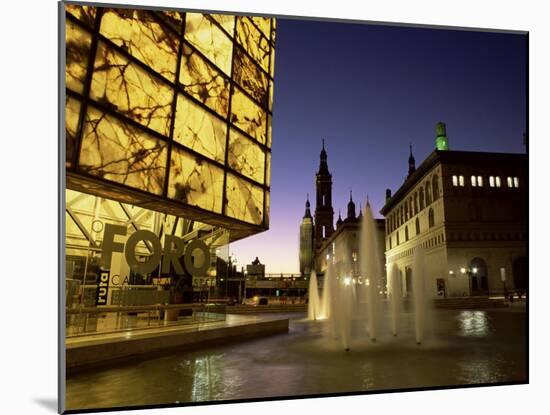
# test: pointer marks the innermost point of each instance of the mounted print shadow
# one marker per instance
(262, 207)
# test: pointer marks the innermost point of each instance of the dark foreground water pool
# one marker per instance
(467, 347)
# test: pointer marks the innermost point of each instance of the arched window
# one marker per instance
(435, 188)
(421, 197)
(406, 211)
(406, 233)
(415, 203)
(428, 196)
(431, 218)
(417, 226)
(397, 238)
(402, 214)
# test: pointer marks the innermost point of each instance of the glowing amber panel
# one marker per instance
(246, 157)
(244, 200)
(173, 18)
(199, 130)
(195, 181)
(115, 151)
(263, 23)
(226, 21)
(204, 82)
(131, 91)
(202, 33)
(249, 75)
(72, 111)
(248, 116)
(141, 35)
(253, 42)
(78, 43)
(86, 14)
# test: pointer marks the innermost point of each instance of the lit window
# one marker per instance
(491, 181)
(474, 183)
(497, 180)
(455, 180)
(461, 181)
(480, 181)
(516, 182)
(509, 180)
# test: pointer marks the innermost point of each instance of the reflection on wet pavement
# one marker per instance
(469, 347)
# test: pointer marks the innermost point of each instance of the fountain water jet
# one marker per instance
(370, 270)
(350, 302)
(314, 305)
(396, 299)
(421, 296)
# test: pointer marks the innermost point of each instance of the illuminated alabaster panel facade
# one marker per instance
(172, 110)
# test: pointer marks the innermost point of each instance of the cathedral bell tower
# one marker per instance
(324, 213)
(306, 242)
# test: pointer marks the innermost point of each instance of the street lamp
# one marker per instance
(470, 271)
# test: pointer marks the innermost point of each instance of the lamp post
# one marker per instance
(470, 271)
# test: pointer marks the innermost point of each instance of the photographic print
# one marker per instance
(272, 207)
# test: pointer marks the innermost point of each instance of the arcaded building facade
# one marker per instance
(468, 211)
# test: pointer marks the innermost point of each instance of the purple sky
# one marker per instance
(371, 90)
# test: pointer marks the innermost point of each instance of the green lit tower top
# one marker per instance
(441, 141)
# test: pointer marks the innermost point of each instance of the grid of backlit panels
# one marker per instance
(174, 105)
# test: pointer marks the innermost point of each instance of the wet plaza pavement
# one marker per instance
(468, 347)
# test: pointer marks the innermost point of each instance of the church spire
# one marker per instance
(308, 211)
(324, 213)
(351, 207)
(412, 166)
(339, 221)
(323, 166)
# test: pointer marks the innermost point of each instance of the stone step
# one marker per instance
(276, 308)
(470, 303)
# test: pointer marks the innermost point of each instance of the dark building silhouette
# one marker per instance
(324, 213)
(318, 237)
(306, 241)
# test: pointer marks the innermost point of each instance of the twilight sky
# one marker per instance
(371, 90)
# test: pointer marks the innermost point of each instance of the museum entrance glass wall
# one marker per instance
(136, 300)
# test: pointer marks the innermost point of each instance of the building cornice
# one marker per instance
(450, 157)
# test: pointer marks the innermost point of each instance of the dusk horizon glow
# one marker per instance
(370, 91)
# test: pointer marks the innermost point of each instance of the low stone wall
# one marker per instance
(94, 353)
(275, 308)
